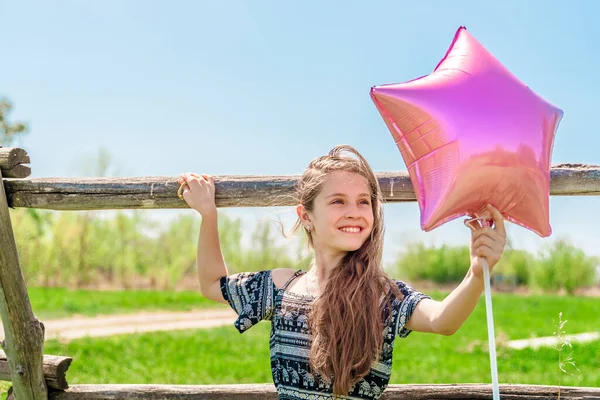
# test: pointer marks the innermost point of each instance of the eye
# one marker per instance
(365, 202)
(337, 201)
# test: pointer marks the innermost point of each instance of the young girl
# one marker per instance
(334, 326)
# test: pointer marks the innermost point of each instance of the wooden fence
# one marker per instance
(37, 376)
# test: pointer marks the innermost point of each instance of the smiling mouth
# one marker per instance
(353, 230)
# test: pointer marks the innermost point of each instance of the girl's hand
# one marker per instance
(487, 242)
(199, 192)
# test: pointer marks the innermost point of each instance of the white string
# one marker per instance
(490, 325)
(489, 314)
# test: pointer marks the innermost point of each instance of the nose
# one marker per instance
(352, 211)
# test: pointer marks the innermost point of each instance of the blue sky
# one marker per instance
(263, 87)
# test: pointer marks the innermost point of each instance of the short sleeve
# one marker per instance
(406, 307)
(250, 294)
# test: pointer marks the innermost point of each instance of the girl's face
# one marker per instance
(342, 216)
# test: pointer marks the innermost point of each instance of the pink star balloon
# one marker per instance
(471, 133)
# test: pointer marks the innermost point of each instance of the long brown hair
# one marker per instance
(346, 321)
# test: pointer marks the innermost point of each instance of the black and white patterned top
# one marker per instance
(254, 297)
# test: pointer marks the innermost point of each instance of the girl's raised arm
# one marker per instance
(199, 194)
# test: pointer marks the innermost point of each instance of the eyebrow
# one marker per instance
(343, 195)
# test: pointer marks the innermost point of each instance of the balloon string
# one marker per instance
(488, 310)
(490, 325)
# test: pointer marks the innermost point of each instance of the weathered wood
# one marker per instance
(230, 190)
(12, 156)
(55, 370)
(18, 172)
(575, 179)
(11, 160)
(24, 334)
(267, 391)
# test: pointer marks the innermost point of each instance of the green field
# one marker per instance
(59, 303)
(222, 355)
(535, 314)
(219, 356)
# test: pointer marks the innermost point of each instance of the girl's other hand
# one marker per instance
(199, 192)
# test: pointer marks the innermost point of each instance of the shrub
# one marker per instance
(516, 264)
(438, 264)
(564, 266)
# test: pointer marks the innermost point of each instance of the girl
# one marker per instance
(334, 327)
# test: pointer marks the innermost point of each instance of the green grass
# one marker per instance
(222, 355)
(521, 317)
(4, 386)
(59, 303)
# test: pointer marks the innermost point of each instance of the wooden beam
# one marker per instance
(55, 370)
(24, 334)
(11, 160)
(18, 172)
(231, 190)
(267, 391)
(11, 156)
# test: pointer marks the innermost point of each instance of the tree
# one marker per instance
(8, 131)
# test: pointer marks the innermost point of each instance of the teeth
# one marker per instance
(350, 230)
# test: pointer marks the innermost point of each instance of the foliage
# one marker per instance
(563, 347)
(437, 264)
(4, 387)
(263, 253)
(560, 266)
(122, 250)
(9, 132)
(515, 264)
(564, 266)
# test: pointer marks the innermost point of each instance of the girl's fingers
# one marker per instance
(184, 182)
(484, 232)
(484, 251)
(183, 188)
(483, 240)
(187, 176)
(498, 220)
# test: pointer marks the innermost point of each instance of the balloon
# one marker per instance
(471, 133)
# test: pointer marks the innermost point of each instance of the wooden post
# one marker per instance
(24, 334)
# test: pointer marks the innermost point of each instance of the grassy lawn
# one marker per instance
(4, 386)
(222, 355)
(543, 309)
(59, 303)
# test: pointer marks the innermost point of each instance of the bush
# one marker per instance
(516, 264)
(440, 265)
(560, 266)
(564, 266)
(84, 249)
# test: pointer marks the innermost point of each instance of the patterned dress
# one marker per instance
(254, 297)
